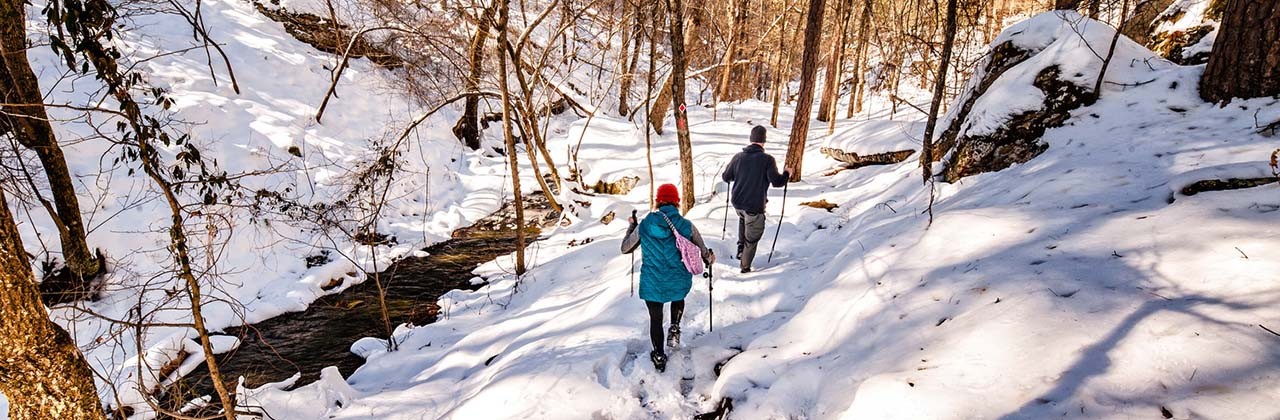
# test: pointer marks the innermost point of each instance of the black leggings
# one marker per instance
(655, 320)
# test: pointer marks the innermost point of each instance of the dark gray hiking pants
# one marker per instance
(750, 230)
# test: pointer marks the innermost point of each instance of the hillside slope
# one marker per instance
(268, 131)
(1080, 284)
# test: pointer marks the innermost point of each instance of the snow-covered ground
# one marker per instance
(1076, 285)
(441, 186)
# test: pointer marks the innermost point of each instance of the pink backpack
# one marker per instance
(690, 254)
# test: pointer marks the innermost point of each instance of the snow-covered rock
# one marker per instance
(1044, 68)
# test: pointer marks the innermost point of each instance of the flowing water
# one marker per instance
(321, 336)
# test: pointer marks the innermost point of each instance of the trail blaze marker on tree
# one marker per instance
(682, 120)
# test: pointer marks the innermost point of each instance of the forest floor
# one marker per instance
(1077, 285)
(1080, 284)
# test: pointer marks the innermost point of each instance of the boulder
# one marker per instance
(622, 186)
(1002, 57)
(1018, 140)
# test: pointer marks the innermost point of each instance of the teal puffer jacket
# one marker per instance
(663, 277)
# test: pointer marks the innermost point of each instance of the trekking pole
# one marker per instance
(784, 212)
(711, 301)
(633, 263)
(725, 227)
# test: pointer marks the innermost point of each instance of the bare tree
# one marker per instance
(675, 11)
(782, 66)
(658, 115)
(1111, 50)
(512, 155)
(42, 373)
(652, 38)
(835, 66)
(736, 35)
(627, 65)
(859, 60)
(467, 128)
(90, 33)
(26, 117)
(804, 106)
(939, 88)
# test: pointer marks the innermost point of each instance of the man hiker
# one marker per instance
(751, 171)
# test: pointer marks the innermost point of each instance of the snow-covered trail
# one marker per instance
(1077, 285)
(1067, 286)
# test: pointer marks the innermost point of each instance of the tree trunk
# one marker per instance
(42, 373)
(736, 36)
(840, 53)
(625, 93)
(739, 86)
(939, 88)
(467, 128)
(781, 69)
(859, 60)
(1111, 50)
(512, 155)
(658, 115)
(624, 66)
(533, 141)
(19, 85)
(804, 104)
(1245, 62)
(648, 94)
(675, 9)
(831, 83)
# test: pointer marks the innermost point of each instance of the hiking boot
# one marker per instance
(659, 360)
(673, 337)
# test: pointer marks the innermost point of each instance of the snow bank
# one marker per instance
(877, 136)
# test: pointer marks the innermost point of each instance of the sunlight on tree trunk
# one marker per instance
(42, 373)
(513, 156)
(804, 103)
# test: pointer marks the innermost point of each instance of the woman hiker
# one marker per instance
(663, 276)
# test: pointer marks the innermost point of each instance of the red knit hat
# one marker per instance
(668, 194)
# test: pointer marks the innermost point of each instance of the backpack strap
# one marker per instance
(669, 224)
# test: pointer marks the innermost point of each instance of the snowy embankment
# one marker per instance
(269, 126)
(1073, 285)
